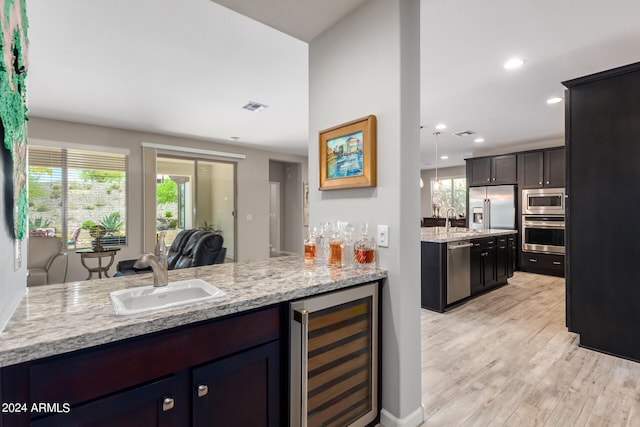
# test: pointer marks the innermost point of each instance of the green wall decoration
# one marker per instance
(13, 112)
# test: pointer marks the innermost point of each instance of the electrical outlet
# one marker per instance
(383, 236)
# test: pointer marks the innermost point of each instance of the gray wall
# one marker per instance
(368, 63)
(13, 283)
(253, 183)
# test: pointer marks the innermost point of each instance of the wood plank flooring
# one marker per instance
(507, 359)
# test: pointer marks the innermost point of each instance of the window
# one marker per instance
(70, 190)
(452, 192)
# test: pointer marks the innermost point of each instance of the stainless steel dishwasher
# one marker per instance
(458, 270)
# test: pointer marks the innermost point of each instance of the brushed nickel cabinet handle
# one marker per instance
(557, 262)
(203, 390)
(167, 404)
(533, 260)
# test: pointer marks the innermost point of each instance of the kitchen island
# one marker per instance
(462, 263)
(65, 348)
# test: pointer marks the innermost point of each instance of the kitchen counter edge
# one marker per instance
(57, 319)
(455, 236)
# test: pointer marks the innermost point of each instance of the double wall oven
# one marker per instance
(543, 220)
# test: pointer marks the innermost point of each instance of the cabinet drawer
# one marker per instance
(87, 374)
(542, 261)
(484, 243)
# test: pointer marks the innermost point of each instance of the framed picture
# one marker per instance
(348, 155)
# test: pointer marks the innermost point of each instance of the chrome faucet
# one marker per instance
(159, 267)
(447, 224)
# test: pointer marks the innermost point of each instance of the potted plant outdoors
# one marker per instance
(112, 224)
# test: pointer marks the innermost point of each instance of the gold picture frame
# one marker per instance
(348, 155)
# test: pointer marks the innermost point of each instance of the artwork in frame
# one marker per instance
(348, 155)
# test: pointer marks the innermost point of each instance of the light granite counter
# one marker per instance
(438, 234)
(56, 319)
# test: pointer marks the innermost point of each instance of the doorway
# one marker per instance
(285, 208)
(274, 218)
(194, 193)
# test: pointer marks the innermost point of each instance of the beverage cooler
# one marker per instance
(334, 358)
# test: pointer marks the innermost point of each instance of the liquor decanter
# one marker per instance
(365, 249)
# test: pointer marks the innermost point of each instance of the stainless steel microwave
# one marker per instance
(543, 201)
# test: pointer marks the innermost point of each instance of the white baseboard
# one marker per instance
(414, 419)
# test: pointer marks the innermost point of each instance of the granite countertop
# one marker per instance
(56, 319)
(438, 234)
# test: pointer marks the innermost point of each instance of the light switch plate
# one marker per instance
(383, 236)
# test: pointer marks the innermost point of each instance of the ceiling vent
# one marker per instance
(464, 133)
(254, 106)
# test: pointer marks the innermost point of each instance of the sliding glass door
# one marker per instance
(192, 193)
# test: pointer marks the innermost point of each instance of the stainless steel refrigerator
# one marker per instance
(492, 207)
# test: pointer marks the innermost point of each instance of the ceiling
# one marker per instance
(186, 68)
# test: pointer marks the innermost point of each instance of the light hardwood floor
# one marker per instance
(506, 359)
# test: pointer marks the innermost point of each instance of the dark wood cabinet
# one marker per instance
(433, 276)
(492, 170)
(476, 267)
(602, 134)
(550, 264)
(162, 403)
(502, 259)
(224, 390)
(542, 168)
(153, 380)
(554, 175)
(503, 169)
(512, 254)
(484, 265)
(479, 171)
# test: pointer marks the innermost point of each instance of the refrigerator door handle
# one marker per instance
(486, 223)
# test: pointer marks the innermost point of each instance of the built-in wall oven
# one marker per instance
(543, 201)
(543, 220)
(543, 233)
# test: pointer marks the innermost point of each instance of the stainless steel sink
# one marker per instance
(148, 298)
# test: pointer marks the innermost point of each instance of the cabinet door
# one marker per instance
(531, 169)
(476, 268)
(511, 255)
(489, 267)
(155, 404)
(502, 260)
(240, 390)
(479, 171)
(503, 169)
(554, 168)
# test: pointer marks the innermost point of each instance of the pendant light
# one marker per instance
(436, 184)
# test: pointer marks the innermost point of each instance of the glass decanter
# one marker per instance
(310, 245)
(364, 250)
(347, 246)
(335, 248)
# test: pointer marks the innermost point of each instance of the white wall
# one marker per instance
(13, 283)
(368, 63)
(252, 183)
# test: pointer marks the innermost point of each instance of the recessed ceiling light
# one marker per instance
(554, 100)
(441, 126)
(445, 157)
(478, 140)
(514, 63)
